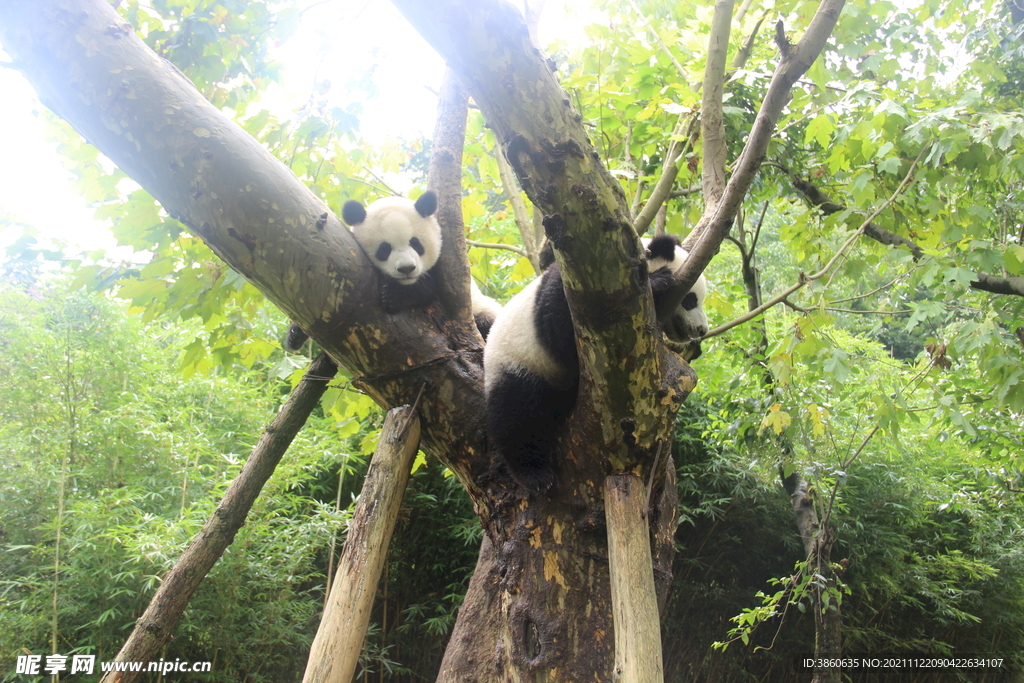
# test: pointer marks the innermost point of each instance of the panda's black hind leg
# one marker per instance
(523, 416)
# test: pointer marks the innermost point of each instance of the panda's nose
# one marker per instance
(405, 270)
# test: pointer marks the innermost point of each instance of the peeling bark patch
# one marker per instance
(552, 572)
(516, 146)
(586, 193)
(535, 643)
(569, 148)
(557, 231)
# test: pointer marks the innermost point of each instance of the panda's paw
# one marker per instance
(296, 338)
(535, 480)
(689, 350)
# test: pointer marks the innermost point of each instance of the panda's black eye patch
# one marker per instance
(689, 301)
(417, 245)
(383, 251)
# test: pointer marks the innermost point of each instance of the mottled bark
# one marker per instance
(545, 565)
(89, 67)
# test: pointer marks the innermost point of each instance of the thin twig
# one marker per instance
(805, 279)
(643, 18)
(492, 245)
(400, 432)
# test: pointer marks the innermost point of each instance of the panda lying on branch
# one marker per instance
(531, 370)
(403, 240)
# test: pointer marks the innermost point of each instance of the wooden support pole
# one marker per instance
(339, 639)
(634, 601)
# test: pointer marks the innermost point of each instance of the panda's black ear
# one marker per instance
(353, 212)
(663, 247)
(426, 205)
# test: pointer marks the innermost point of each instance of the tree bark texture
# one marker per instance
(156, 625)
(544, 567)
(88, 65)
(339, 638)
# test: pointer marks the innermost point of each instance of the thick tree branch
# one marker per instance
(703, 243)
(586, 211)
(999, 285)
(444, 176)
(682, 135)
(88, 65)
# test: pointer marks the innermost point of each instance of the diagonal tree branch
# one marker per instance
(818, 199)
(670, 169)
(703, 243)
(587, 215)
(89, 66)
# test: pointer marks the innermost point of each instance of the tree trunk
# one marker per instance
(539, 604)
(818, 540)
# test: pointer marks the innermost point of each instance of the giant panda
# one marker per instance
(531, 370)
(402, 239)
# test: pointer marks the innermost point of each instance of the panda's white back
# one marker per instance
(513, 343)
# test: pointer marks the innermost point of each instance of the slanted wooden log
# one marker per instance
(156, 625)
(339, 638)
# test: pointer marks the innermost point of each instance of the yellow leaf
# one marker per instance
(777, 419)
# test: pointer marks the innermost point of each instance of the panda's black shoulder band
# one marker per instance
(353, 213)
(426, 205)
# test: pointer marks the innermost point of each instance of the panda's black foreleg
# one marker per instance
(524, 414)
(296, 338)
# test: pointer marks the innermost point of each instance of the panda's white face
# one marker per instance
(401, 237)
(688, 320)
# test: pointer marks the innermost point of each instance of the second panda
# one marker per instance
(531, 370)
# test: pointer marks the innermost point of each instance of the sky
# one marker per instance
(35, 188)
